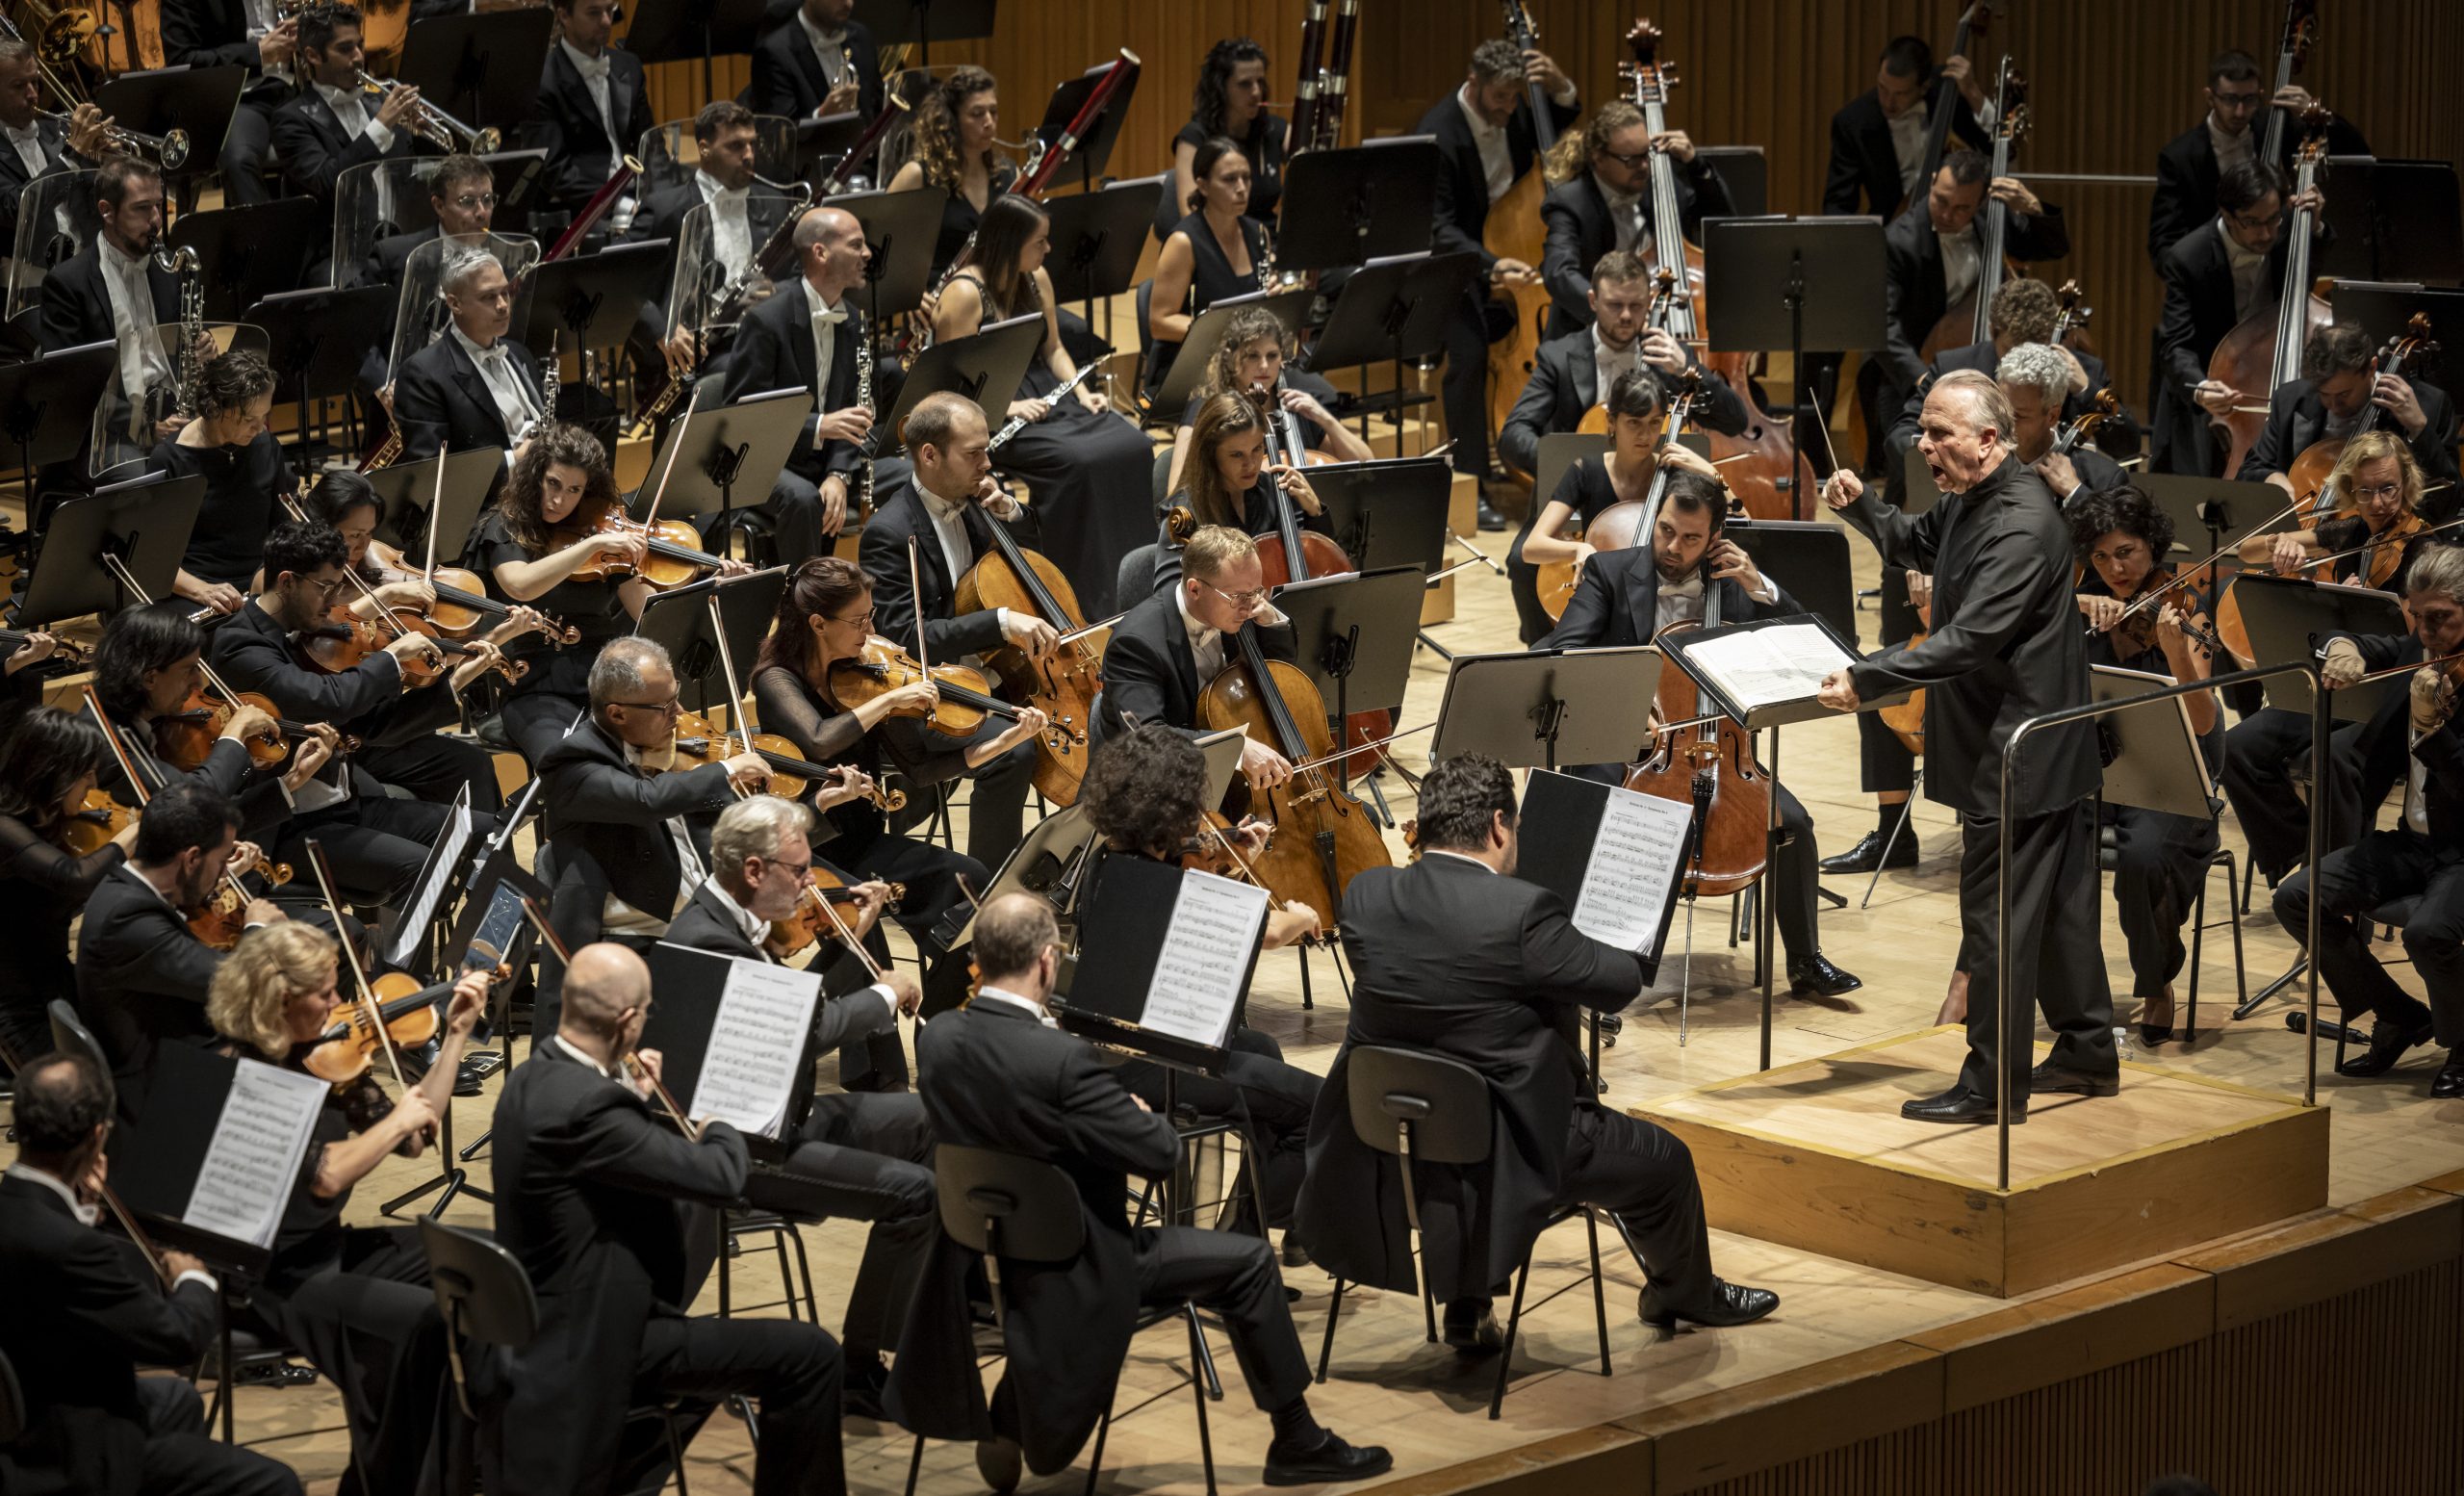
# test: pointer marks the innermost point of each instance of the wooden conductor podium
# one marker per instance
(1816, 1155)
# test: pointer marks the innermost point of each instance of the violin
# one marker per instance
(344, 639)
(185, 736)
(408, 1012)
(2264, 349)
(462, 607)
(967, 698)
(1712, 767)
(1064, 684)
(66, 650)
(2138, 621)
(223, 917)
(91, 826)
(811, 921)
(700, 742)
(675, 555)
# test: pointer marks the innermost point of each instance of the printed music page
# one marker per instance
(259, 1142)
(1634, 862)
(756, 1045)
(1206, 957)
(1763, 668)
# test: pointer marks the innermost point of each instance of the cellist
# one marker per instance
(1609, 206)
(1230, 482)
(1166, 650)
(2342, 392)
(1626, 597)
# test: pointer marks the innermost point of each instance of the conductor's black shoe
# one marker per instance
(1867, 854)
(1332, 1459)
(2450, 1083)
(1958, 1104)
(1815, 974)
(2388, 1043)
(1731, 1304)
(1489, 518)
(1473, 1333)
(999, 1461)
(2051, 1079)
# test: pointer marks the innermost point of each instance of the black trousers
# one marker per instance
(436, 767)
(792, 1367)
(181, 1458)
(2384, 867)
(537, 721)
(996, 805)
(2056, 958)
(2159, 862)
(368, 1321)
(866, 1158)
(243, 159)
(794, 510)
(376, 843)
(1884, 763)
(2261, 753)
(1464, 392)
(933, 875)
(1234, 1277)
(1274, 1100)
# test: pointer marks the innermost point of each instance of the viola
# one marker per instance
(967, 698)
(2140, 620)
(697, 742)
(463, 607)
(811, 921)
(1064, 684)
(675, 555)
(1712, 767)
(223, 917)
(185, 736)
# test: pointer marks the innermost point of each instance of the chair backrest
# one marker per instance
(1029, 1203)
(1134, 582)
(13, 1404)
(69, 1034)
(1445, 1101)
(1158, 482)
(481, 1288)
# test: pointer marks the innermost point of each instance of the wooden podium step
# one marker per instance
(1816, 1155)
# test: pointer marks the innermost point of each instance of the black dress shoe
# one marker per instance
(2050, 1079)
(1333, 1459)
(2153, 1034)
(1480, 1337)
(1816, 974)
(1489, 518)
(2450, 1083)
(1000, 1462)
(1867, 854)
(860, 1395)
(1958, 1104)
(2388, 1043)
(1731, 1304)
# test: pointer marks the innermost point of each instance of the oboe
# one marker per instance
(864, 398)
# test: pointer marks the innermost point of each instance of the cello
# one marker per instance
(1971, 319)
(2412, 347)
(2264, 349)
(1062, 684)
(1294, 554)
(1514, 231)
(1710, 766)
(1624, 522)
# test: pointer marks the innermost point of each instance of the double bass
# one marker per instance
(1515, 231)
(1971, 320)
(2264, 349)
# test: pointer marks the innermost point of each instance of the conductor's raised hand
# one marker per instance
(1842, 488)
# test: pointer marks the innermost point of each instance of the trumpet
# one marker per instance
(168, 150)
(435, 126)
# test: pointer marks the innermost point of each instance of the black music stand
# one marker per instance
(405, 489)
(1378, 199)
(592, 300)
(156, 1162)
(1095, 149)
(317, 340)
(1394, 311)
(47, 406)
(1790, 283)
(1558, 451)
(900, 227)
(1353, 637)
(691, 985)
(2287, 617)
(985, 369)
(680, 31)
(679, 619)
(1809, 561)
(2391, 220)
(199, 100)
(144, 524)
(248, 254)
(826, 139)
(924, 22)
(517, 174)
(1388, 513)
(720, 449)
(482, 68)
(1097, 236)
(1196, 357)
(2222, 509)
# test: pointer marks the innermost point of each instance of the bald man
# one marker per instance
(594, 1186)
(805, 338)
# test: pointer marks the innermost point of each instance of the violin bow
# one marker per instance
(136, 783)
(2375, 541)
(2183, 575)
(2393, 671)
(736, 692)
(846, 933)
(675, 449)
(556, 942)
(915, 586)
(351, 955)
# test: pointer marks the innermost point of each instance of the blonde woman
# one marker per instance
(2374, 495)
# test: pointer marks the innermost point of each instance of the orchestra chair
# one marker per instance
(1003, 1206)
(2108, 857)
(1427, 1108)
(737, 1222)
(486, 1298)
(1135, 582)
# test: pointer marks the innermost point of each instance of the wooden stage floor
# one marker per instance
(1389, 1387)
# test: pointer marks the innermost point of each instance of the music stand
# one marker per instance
(1353, 637)
(482, 67)
(248, 254)
(2222, 509)
(1809, 561)
(2391, 220)
(692, 985)
(1558, 451)
(680, 619)
(1520, 708)
(1094, 148)
(592, 300)
(1394, 310)
(1196, 357)
(1388, 513)
(986, 368)
(156, 1162)
(2157, 764)
(2381, 309)
(923, 22)
(900, 227)
(829, 137)
(1097, 236)
(517, 174)
(1825, 271)
(47, 406)
(1044, 864)
(719, 450)
(1378, 199)
(2287, 617)
(317, 340)
(145, 524)
(199, 100)
(405, 489)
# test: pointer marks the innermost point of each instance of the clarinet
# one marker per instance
(864, 398)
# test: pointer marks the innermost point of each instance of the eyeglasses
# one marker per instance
(1247, 599)
(470, 200)
(2250, 225)
(2381, 491)
(2250, 100)
(1632, 163)
(666, 709)
(795, 870)
(863, 620)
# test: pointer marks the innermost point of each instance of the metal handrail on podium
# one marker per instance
(2319, 718)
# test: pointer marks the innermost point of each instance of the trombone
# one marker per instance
(437, 126)
(168, 150)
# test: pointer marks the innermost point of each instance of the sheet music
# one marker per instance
(1762, 667)
(757, 1046)
(420, 918)
(1633, 867)
(1207, 951)
(259, 1142)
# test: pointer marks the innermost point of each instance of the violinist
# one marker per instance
(348, 503)
(1255, 356)
(2035, 378)
(822, 62)
(1934, 258)
(2160, 858)
(1086, 469)
(1878, 138)
(54, 759)
(21, 685)
(526, 559)
(148, 677)
(1625, 596)
(1622, 474)
(825, 616)
(2188, 168)
(594, 102)
(2341, 393)
(947, 508)
(2269, 750)
(1167, 649)
(958, 139)
(1229, 483)
(2213, 278)
(474, 386)
(1486, 140)
(2421, 857)
(82, 1319)
(141, 977)
(1217, 251)
(232, 447)
(1230, 101)
(1610, 207)
(353, 1299)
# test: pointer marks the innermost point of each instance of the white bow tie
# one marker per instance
(490, 357)
(590, 66)
(830, 315)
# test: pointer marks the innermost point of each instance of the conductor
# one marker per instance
(2006, 646)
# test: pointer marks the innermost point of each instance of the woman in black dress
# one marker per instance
(230, 444)
(54, 759)
(958, 149)
(1256, 355)
(1216, 252)
(1088, 472)
(2159, 859)
(354, 1300)
(825, 615)
(1230, 101)
(1622, 473)
(1230, 482)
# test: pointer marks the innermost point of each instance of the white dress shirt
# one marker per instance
(355, 116)
(617, 1075)
(1625, 211)
(142, 362)
(514, 405)
(1029, 1005)
(593, 77)
(28, 142)
(90, 1215)
(2248, 267)
(824, 350)
(829, 47)
(1684, 599)
(1206, 643)
(1907, 138)
(731, 233)
(619, 917)
(1611, 364)
(1962, 260)
(1496, 158)
(2231, 150)
(949, 526)
(757, 929)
